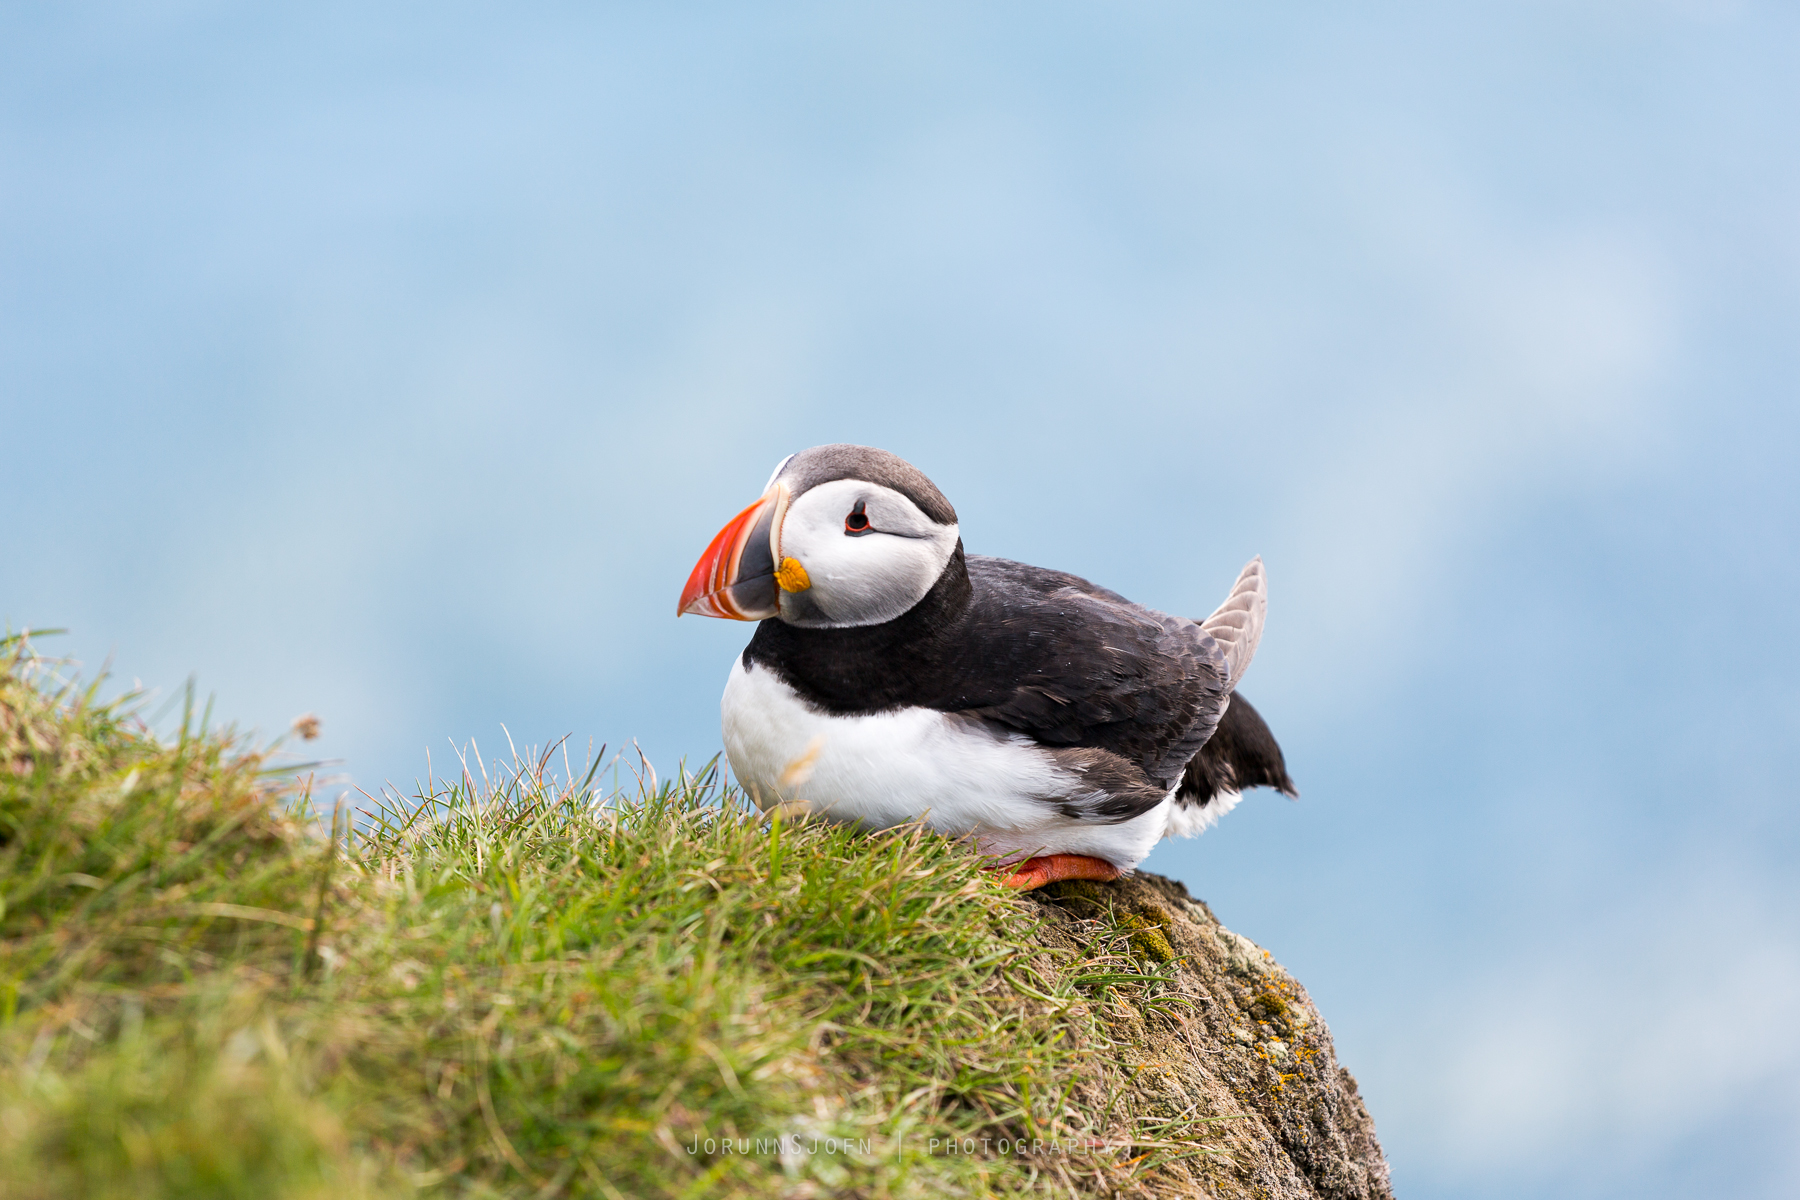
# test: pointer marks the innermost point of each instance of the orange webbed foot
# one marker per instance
(1048, 868)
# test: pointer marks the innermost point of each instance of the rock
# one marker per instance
(1245, 1048)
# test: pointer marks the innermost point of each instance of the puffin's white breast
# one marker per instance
(960, 775)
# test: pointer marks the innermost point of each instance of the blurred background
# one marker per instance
(396, 362)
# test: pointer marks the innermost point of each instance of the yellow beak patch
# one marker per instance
(792, 576)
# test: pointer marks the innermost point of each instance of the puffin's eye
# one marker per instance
(857, 522)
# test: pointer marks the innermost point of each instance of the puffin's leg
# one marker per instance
(1048, 868)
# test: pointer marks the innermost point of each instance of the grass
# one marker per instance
(517, 983)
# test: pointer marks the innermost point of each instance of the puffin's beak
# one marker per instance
(736, 576)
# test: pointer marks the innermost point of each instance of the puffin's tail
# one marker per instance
(1241, 753)
(1237, 624)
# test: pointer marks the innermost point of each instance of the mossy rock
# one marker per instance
(1247, 1048)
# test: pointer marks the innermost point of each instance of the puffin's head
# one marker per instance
(843, 535)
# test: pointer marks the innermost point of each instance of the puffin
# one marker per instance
(894, 678)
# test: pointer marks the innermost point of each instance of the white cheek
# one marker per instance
(860, 580)
(873, 578)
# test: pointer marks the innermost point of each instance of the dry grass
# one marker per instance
(516, 984)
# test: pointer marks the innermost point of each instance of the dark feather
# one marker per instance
(1124, 694)
(822, 464)
(1241, 753)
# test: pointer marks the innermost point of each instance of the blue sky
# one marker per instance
(396, 363)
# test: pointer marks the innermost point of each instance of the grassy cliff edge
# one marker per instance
(520, 983)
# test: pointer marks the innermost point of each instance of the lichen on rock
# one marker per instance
(1244, 1050)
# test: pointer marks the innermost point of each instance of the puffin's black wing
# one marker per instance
(1121, 695)
(1241, 753)
(1084, 667)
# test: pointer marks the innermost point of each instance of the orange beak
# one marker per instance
(736, 578)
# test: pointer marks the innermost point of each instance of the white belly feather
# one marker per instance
(958, 775)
